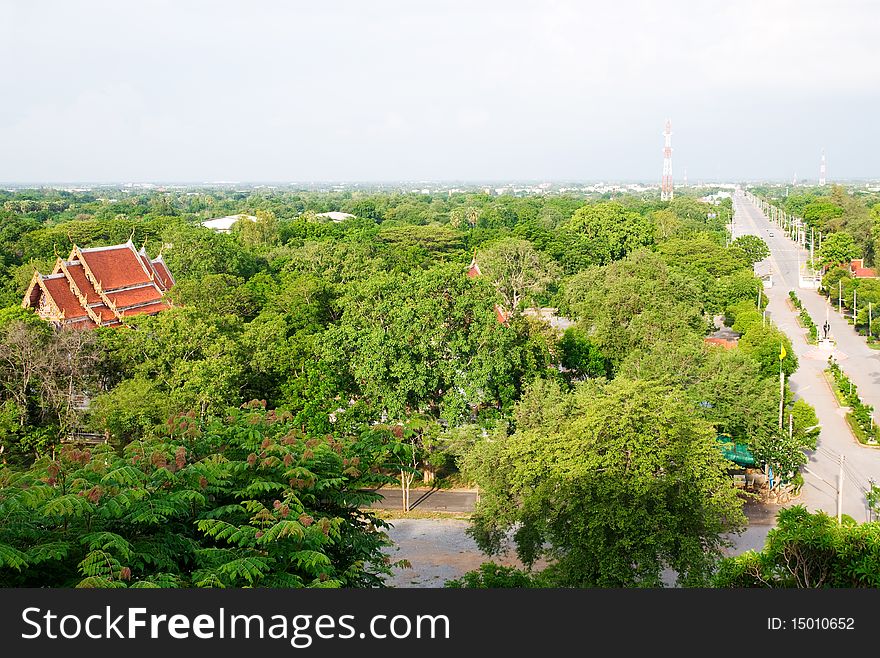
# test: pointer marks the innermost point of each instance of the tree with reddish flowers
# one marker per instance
(244, 500)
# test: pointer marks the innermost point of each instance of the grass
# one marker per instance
(841, 400)
(808, 337)
(454, 480)
(857, 431)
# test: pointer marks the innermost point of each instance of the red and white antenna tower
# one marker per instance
(666, 190)
(822, 169)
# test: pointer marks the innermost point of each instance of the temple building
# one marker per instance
(501, 314)
(100, 287)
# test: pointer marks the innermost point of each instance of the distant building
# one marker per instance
(474, 269)
(858, 270)
(548, 315)
(716, 198)
(551, 317)
(336, 216)
(225, 224)
(725, 337)
(501, 314)
(100, 287)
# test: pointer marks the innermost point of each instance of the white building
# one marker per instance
(225, 224)
(335, 215)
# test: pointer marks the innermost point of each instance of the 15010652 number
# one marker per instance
(822, 623)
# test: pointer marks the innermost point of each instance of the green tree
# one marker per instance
(516, 269)
(765, 343)
(132, 410)
(612, 229)
(493, 576)
(634, 303)
(430, 343)
(259, 233)
(831, 279)
(807, 550)
(754, 247)
(243, 501)
(580, 358)
(611, 484)
(837, 248)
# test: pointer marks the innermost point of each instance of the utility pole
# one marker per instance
(870, 320)
(854, 307)
(840, 296)
(811, 248)
(790, 426)
(781, 390)
(840, 490)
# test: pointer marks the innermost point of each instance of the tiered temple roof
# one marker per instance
(100, 286)
(501, 314)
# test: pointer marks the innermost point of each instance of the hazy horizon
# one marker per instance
(345, 92)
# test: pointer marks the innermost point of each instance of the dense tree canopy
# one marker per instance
(575, 363)
(611, 482)
(241, 501)
(754, 247)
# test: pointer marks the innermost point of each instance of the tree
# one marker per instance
(516, 270)
(614, 230)
(764, 343)
(134, 409)
(242, 501)
(837, 248)
(259, 233)
(430, 343)
(579, 357)
(611, 484)
(493, 576)
(807, 550)
(831, 279)
(754, 247)
(43, 373)
(633, 303)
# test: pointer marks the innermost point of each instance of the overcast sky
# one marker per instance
(379, 90)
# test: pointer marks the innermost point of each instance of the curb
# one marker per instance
(845, 420)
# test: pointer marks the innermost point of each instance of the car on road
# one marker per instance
(770, 234)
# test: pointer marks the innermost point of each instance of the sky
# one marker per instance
(292, 91)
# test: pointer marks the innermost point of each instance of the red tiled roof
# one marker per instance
(115, 267)
(78, 274)
(726, 343)
(103, 312)
(163, 273)
(134, 296)
(864, 273)
(67, 302)
(143, 310)
(129, 282)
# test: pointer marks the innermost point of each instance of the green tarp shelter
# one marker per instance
(736, 452)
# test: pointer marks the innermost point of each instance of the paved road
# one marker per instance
(862, 463)
(429, 500)
(761, 518)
